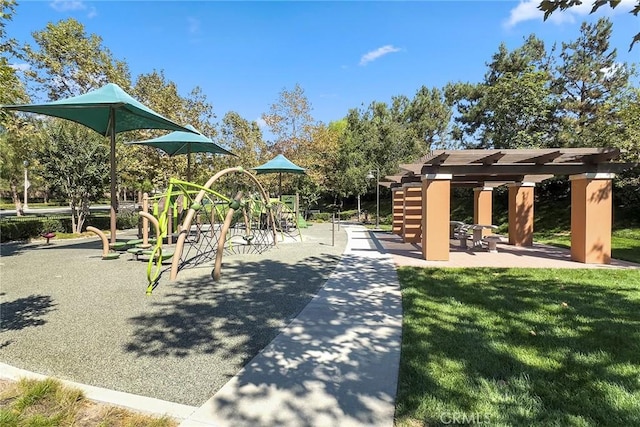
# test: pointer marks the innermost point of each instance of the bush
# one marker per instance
(321, 216)
(28, 227)
(25, 228)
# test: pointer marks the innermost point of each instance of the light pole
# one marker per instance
(26, 184)
(377, 177)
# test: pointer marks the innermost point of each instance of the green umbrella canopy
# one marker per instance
(95, 110)
(278, 164)
(184, 143)
(180, 142)
(108, 111)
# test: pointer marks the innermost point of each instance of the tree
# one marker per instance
(244, 139)
(550, 6)
(17, 133)
(591, 85)
(163, 96)
(7, 9)
(630, 120)
(290, 120)
(513, 107)
(319, 158)
(74, 162)
(67, 62)
(428, 118)
(19, 139)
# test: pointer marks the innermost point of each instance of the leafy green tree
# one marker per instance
(591, 85)
(244, 139)
(551, 6)
(354, 157)
(290, 120)
(319, 158)
(163, 96)
(66, 61)
(630, 126)
(16, 132)
(7, 10)
(74, 162)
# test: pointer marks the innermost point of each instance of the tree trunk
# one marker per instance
(72, 206)
(16, 199)
(82, 214)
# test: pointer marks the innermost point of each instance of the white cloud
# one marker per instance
(66, 5)
(73, 5)
(261, 123)
(378, 53)
(527, 10)
(20, 67)
(194, 25)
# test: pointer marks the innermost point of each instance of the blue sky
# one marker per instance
(343, 54)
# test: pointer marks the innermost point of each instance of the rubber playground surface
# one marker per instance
(67, 313)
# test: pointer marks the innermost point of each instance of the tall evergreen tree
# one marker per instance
(591, 85)
(512, 108)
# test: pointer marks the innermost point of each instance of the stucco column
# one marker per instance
(436, 214)
(482, 207)
(591, 214)
(397, 198)
(412, 215)
(521, 213)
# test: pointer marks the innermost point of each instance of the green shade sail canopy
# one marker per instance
(180, 142)
(108, 111)
(279, 164)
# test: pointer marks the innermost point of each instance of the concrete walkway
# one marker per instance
(336, 364)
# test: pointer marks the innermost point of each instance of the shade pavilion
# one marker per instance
(421, 195)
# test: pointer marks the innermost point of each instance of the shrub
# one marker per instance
(321, 216)
(28, 227)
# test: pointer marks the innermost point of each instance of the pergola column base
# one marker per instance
(436, 208)
(521, 196)
(591, 216)
(482, 208)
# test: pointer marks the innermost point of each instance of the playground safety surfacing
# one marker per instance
(69, 314)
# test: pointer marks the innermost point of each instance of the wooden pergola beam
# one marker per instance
(490, 158)
(526, 169)
(543, 158)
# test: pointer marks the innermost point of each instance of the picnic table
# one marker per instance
(477, 232)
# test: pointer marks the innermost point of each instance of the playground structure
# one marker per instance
(193, 224)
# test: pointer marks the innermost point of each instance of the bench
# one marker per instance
(492, 243)
(477, 233)
(455, 227)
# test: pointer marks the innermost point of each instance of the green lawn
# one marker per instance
(625, 243)
(516, 347)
